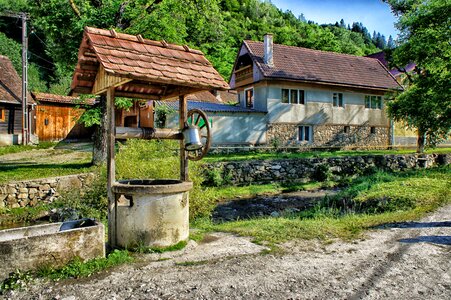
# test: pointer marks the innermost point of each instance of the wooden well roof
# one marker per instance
(140, 68)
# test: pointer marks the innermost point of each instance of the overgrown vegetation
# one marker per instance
(369, 201)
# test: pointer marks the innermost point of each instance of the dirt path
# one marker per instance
(409, 261)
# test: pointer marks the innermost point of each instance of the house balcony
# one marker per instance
(244, 76)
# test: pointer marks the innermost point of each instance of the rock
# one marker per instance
(23, 190)
(275, 214)
(22, 196)
(12, 190)
(32, 190)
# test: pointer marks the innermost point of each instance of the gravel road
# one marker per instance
(404, 261)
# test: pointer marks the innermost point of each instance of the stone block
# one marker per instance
(11, 199)
(32, 190)
(22, 196)
(12, 190)
(3, 197)
(68, 183)
(23, 190)
(44, 187)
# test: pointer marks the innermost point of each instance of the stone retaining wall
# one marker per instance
(32, 192)
(305, 169)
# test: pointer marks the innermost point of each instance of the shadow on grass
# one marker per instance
(31, 166)
(415, 225)
(433, 239)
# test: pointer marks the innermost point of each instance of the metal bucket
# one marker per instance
(151, 213)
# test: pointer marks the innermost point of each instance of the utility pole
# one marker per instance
(25, 122)
(25, 127)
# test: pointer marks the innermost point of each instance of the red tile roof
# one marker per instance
(45, 97)
(296, 63)
(133, 57)
(10, 83)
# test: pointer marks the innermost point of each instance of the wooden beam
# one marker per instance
(137, 95)
(148, 133)
(183, 155)
(104, 81)
(111, 176)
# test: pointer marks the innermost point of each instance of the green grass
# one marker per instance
(389, 198)
(21, 148)
(223, 193)
(310, 154)
(17, 172)
(179, 246)
(74, 269)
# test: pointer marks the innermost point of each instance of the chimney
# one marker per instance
(268, 50)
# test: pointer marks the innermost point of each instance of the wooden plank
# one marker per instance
(183, 154)
(112, 222)
(104, 81)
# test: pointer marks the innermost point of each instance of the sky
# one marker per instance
(374, 14)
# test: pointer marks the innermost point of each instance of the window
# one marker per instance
(338, 99)
(346, 129)
(373, 102)
(2, 114)
(249, 96)
(293, 96)
(373, 130)
(305, 133)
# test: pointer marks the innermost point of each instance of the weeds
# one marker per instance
(143, 249)
(369, 201)
(74, 269)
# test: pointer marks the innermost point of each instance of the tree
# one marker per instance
(425, 104)
(390, 43)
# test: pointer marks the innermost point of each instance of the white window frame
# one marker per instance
(301, 133)
(370, 101)
(299, 91)
(253, 97)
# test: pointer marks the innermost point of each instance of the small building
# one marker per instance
(11, 113)
(314, 98)
(231, 125)
(57, 116)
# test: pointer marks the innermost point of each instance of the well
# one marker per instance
(110, 64)
(152, 213)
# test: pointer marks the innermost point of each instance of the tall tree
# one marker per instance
(425, 104)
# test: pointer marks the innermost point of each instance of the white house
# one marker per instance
(313, 97)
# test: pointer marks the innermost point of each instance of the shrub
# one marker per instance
(322, 173)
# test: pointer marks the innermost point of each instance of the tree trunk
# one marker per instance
(100, 145)
(420, 141)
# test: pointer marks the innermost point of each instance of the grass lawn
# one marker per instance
(21, 148)
(310, 154)
(387, 198)
(31, 162)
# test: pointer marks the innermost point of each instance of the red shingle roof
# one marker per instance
(309, 65)
(140, 59)
(45, 97)
(10, 83)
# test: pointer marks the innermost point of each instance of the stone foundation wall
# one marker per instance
(32, 192)
(305, 169)
(329, 135)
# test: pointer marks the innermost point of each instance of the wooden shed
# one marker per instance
(57, 117)
(11, 113)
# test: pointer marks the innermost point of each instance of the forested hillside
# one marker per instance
(216, 27)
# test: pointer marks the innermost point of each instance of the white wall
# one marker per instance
(318, 108)
(233, 128)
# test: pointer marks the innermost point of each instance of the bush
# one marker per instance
(322, 173)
